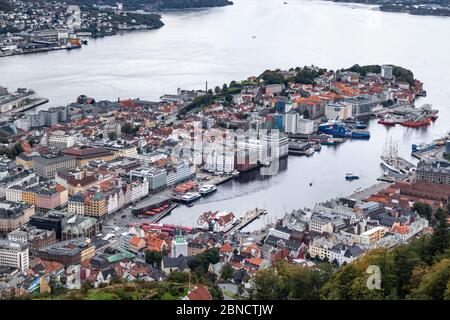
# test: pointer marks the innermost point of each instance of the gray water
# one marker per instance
(216, 45)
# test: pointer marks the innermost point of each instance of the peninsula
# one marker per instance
(415, 7)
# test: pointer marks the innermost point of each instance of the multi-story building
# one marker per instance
(15, 255)
(296, 123)
(95, 205)
(18, 236)
(321, 247)
(48, 165)
(21, 177)
(52, 198)
(14, 215)
(157, 178)
(326, 223)
(39, 238)
(53, 220)
(84, 155)
(68, 252)
(195, 248)
(76, 204)
(338, 111)
(218, 161)
(372, 235)
(123, 151)
(58, 140)
(387, 71)
(432, 172)
(79, 226)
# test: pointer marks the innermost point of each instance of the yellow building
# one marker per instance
(24, 160)
(373, 235)
(29, 197)
(96, 206)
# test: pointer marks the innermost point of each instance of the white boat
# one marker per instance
(310, 151)
(190, 197)
(207, 189)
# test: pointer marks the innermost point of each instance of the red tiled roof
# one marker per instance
(199, 293)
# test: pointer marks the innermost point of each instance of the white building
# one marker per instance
(139, 190)
(256, 147)
(18, 236)
(13, 194)
(338, 111)
(220, 161)
(386, 71)
(58, 139)
(179, 246)
(290, 122)
(14, 255)
(296, 123)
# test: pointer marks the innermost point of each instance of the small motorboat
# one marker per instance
(351, 176)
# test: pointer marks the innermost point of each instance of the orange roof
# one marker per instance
(226, 247)
(134, 241)
(255, 261)
(250, 247)
(51, 266)
(401, 229)
(154, 243)
(59, 188)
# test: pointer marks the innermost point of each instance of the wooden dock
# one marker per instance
(249, 217)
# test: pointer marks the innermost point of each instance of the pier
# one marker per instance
(32, 104)
(248, 218)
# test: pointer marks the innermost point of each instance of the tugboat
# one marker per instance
(351, 176)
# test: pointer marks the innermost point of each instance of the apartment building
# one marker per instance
(14, 215)
(14, 255)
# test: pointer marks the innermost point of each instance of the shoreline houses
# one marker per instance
(216, 221)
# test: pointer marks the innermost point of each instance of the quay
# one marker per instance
(367, 192)
(158, 217)
(249, 217)
(33, 104)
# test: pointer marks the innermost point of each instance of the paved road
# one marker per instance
(364, 193)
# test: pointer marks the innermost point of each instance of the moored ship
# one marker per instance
(339, 129)
(387, 122)
(190, 197)
(207, 189)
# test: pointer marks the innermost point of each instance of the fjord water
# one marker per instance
(217, 45)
